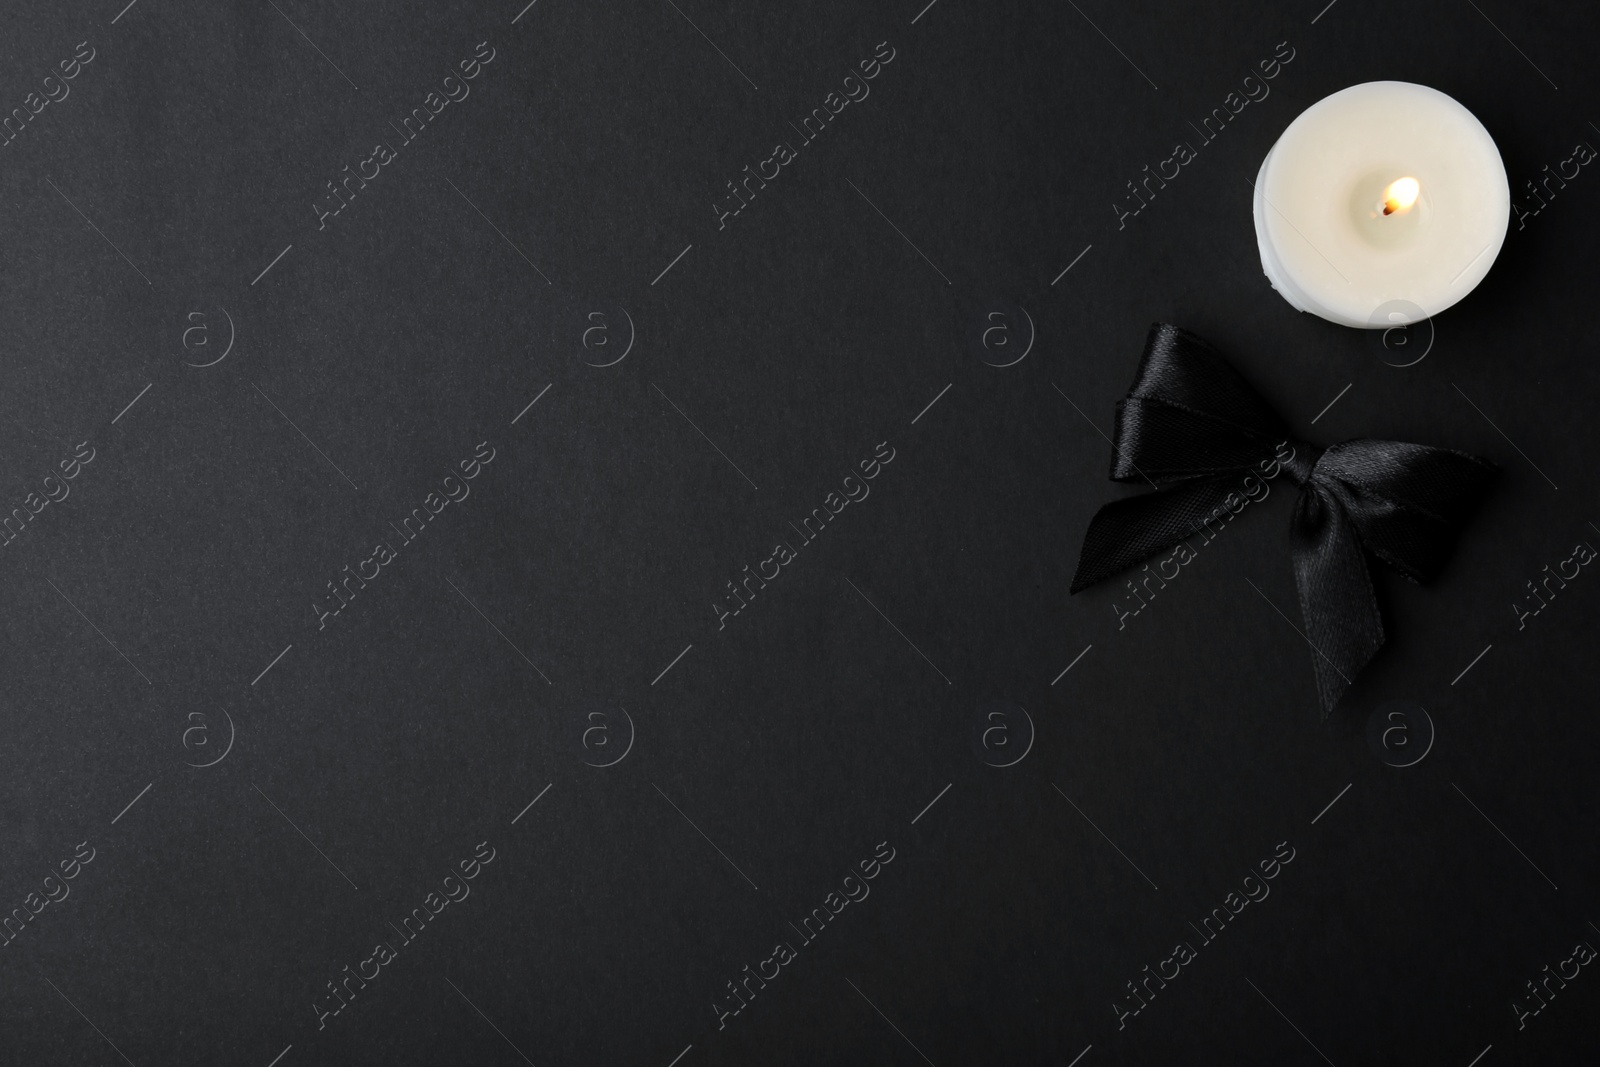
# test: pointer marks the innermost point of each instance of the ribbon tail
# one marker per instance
(1125, 532)
(1343, 624)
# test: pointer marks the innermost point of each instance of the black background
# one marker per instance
(819, 322)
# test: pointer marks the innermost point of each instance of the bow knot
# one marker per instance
(1301, 466)
(1193, 428)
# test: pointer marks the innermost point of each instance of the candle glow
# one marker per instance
(1400, 195)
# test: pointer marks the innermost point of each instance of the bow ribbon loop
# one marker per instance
(1195, 430)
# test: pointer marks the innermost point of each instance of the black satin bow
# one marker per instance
(1191, 421)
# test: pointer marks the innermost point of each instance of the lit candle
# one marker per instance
(1381, 205)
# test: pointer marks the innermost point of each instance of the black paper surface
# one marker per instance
(375, 519)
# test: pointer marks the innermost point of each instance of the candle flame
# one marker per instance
(1400, 195)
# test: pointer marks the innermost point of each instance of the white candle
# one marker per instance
(1381, 205)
